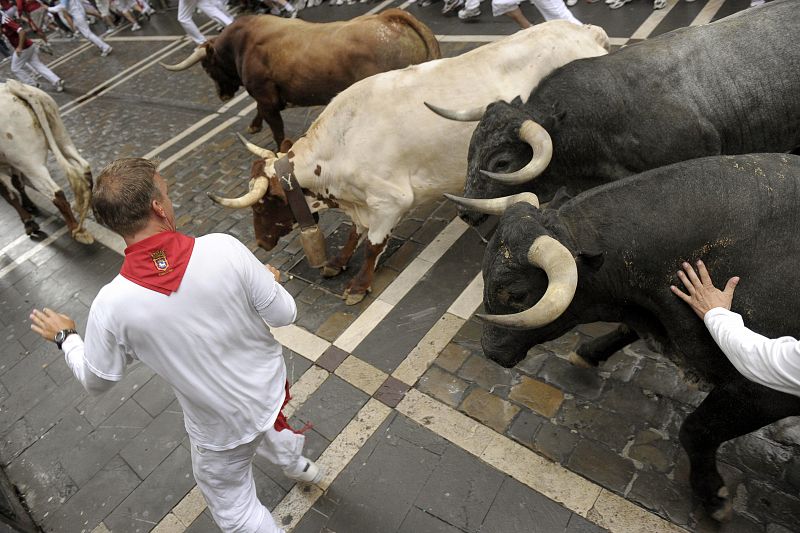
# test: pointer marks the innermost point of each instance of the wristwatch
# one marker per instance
(62, 335)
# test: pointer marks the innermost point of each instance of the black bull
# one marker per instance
(731, 87)
(736, 213)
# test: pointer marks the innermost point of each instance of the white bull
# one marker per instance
(30, 125)
(376, 151)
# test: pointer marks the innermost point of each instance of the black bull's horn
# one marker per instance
(562, 275)
(538, 139)
(494, 206)
(198, 55)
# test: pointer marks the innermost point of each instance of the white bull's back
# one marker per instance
(379, 131)
(22, 142)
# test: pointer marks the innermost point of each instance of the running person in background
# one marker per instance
(550, 10)
(26, 56)
(211, 8)
(73, 11)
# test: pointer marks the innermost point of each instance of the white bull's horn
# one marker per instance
(258, 188)
(538, 138)
(198, 55)
(256, 150)
(562, 275)
(462, 115)
(494, 206)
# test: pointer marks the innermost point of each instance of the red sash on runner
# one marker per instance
(158, 262)
(281, 423)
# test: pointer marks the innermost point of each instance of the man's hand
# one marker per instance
(275, 272)
(47, 323)
(703, 296)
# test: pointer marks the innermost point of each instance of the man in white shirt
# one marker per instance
(774, 363)
(193, 310)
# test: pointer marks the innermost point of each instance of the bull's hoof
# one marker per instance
(722, 509)
(82, 236)
(329, 271)
(31, 227)
(575, 359)
(253, 129)
(352, 298)
(37, 235)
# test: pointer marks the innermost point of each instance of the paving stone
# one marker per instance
(525, 426)
(269, 492)
(489, 409)
(16, 440)
(155, 395)
(651, 449)
(563, 345)
(203, 524)
(541, 397)
(487, 374)
(391, 392)
(452, 357)
(331, 358)
(96, 409)
(152, 445)
(534, 361)
(662, 495)
(595, 423)
(334, 325)
(296, 365)
(757, 455)
(460, 490)
(584, 382)
(517, 509)
(16, 405)
(623, 365)
(555, 442)
(97, 448)
(444, 387)
(772, 505)
(628, 400)
(664, 379)
(331, 407)
(406, 253)
(417, 520)
(86, 508)
(578, 524)
(384, 489)
(601, 465)
(47, 412)
(469, 336)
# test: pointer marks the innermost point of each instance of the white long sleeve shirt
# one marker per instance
(208, 340)
(774, 363)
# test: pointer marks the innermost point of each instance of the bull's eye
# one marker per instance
(501, 165)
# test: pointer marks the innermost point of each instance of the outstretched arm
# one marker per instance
(774, 363)
(47, 323)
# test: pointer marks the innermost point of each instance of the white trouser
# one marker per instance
(29, 59)
(226, 479)
(550, 9)
(79, 19)
(212, 10)
(103, 8)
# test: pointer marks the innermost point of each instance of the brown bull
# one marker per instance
(290, 62)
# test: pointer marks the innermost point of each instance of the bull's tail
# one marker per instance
(75, 167)
(421, 29)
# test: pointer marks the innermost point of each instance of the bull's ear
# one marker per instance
(516, 101)
(592, 260)
(276, 190)
(285, 146)
(552, 120)
(560, 198)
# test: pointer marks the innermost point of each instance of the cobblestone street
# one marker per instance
(418, 431)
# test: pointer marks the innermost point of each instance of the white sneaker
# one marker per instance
(135, 27)
(571, 3)
(60, 86)
(466, 15)
(306, 472)
(107, 51)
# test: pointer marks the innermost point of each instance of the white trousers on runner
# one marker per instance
(550, 9)
(212, 10)
(29, 59)
(226, 479)
(79, 19)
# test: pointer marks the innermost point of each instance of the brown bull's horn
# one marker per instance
(494, 206)
(256, 150)
(562, 275)
(258, 188)
(198, 55)
(538, 138)
(462, 115)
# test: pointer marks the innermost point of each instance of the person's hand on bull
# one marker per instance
(702, 296)
(275, 272)
(47, 323)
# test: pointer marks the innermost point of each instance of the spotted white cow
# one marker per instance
(376, 151)
(30, 126)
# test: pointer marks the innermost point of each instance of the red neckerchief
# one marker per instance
(158, 262)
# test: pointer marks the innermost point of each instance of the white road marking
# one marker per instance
(33, 251)
(379, 7)
(707, 13)
(653, 20)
